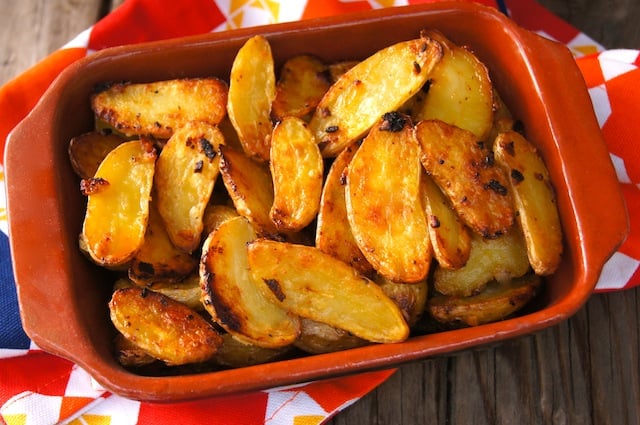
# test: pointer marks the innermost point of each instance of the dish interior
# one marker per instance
(81, 290)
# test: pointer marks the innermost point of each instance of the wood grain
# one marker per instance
(583, 371)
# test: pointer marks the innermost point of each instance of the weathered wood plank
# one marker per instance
(33, 29)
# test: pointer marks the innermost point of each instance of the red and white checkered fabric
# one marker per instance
(39, 388)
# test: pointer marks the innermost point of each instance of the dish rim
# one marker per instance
(185, 387)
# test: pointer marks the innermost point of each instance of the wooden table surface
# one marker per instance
(583, 371)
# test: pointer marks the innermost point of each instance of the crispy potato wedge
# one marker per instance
(297, 172)
(449, 237)
(378, 84)
(187, 291)
(460, 92)
(315, 285)
(250, 187)
(411, 298)
(383, 201)
(336, 69)
(535, 200)
(232, 297)
(317, 338)
(304, 79)
(186, 171)
(118, 203)
(215, 215)
(464, 169)
(159, 108)
(234, 353)
(252, 89)
(158, 259)
(500, 258)
(502, 118)
(333, 231)
(496, 302)
(166, 329)
(88, 150)
(129, 354)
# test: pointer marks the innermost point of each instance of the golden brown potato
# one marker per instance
(535, 200)
(378, 84)
(118, 203)
(384, 207)
(234, 353)
(158, 259)
(336, 69)
(159, 108)
(88, 150)
(502, 119)
(214, 215)
(296, 170)
(186, 171)
(496, 302)
(460, 92)
(129, 354)
(449, 237)
(464, 169)
(500, 258)
(186, 291)
(411, 298)
(312, 284)
(252, 89)
(317, 338)
(303, 81)
(166, 329)
(333, 231)
(232, 297)
(250, 187)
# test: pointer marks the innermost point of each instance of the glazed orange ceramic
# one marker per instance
(63, 296)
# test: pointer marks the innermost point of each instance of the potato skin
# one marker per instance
(157, 109)
(463, 168)
(166, 329)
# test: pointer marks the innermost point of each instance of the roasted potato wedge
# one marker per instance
(535, 200)
(158, 259)
(449, 237)
(464, 169)
(186, 171)
(250, 187)
(252, 90)
(88, 150)
(118, 203)
(304, 79)
(411, 298)
(216, 214)
(129, 354)
(232, 297)
(297, 172)
(333, 231)
(496, 302)
(317, 338)
(187, 291)
(500, 258)
(234, 353)
(460, 92)
(159, 108)
(379, 84)
(383, 201)
(502, 118)
(336, 69)
(315, 285)
(166, 329)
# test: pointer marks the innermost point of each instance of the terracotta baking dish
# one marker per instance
(63, 297)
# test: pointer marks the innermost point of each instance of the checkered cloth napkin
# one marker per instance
(38, 388)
